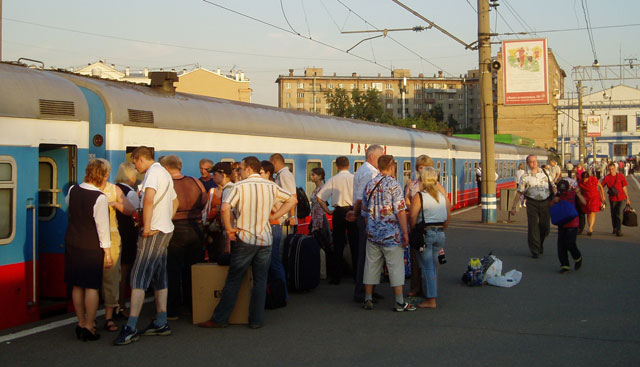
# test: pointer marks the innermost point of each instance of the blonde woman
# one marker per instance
(111, 275)
(436, 212)
(87, 246)
(126, 180)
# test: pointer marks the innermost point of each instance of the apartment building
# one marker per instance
(401, 94)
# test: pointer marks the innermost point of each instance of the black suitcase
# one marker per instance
(301, 259)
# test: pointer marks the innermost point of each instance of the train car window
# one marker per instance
(356, 165)
(395, 171)
(406, 174)
(47, 188)
(309, 185)
(334, 168)
(290, 163)
(8, 180)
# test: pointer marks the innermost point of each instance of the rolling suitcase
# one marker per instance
(301, 260)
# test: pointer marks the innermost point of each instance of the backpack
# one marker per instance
(474, 274)
(303, 208)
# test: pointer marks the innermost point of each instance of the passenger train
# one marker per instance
(52, 123)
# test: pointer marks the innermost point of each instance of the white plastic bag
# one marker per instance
(508, 280)
(494, 270)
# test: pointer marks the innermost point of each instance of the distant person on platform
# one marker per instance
(536, 186)
(205, 177)
(555, 173)
(284, 179)
(253, 198)
(569, 168)
(616, 185)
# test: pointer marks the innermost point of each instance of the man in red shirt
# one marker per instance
(617, 191)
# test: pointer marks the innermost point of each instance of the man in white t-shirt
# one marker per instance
(159, 205)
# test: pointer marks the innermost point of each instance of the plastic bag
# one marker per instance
(494, 270)
(508, 280)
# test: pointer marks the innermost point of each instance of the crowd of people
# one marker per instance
(541, 188)
(125, 235)
(145, 236)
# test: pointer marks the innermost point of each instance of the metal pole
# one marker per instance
(581, 144)
(562, 145)
(404, 88)
(489, 207)
(595, 151)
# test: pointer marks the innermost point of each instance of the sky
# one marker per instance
(294, 34)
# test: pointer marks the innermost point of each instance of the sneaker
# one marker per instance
(127, 335)
(564, 270)
(578, 263)
(401, 307)
(154, 329)
(367, 304)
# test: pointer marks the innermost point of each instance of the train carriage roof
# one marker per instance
(192, 112)
(37, 94)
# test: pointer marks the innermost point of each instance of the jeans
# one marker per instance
(617, 209)
(243, 255)
(276, 270)
(434, 240)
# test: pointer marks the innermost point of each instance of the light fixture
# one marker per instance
(596, 63)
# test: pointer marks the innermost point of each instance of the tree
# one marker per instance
(437, 113)
(339, 102)
(453, 124)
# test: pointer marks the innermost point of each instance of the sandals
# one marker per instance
(111, 326)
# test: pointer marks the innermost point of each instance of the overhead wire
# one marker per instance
(519, 19)
(285, 18)
(184, 47)
(296, 34)
(394, 40)
(304, 10)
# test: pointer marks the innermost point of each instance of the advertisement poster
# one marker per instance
(593, 125)
(525, 72)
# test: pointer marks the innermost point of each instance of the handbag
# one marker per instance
(562, 212)
(416, 235)
(612, 190)
(629, 217)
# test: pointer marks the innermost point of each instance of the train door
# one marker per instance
(57, 171)
(454, 181)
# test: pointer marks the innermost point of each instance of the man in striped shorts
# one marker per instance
(252, 198)
(159, 205)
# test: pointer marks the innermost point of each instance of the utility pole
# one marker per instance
(581, 143)
(488, 200)
(0, 30)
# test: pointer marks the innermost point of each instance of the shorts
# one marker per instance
(374, 260)
(150, 265)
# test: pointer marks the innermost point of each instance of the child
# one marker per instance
(568, 232)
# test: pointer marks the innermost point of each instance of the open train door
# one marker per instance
(57, 171)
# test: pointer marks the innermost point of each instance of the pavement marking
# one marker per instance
(636, 181)
(52, 325)
(463, 210)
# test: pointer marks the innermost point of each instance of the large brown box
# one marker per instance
(207, 284)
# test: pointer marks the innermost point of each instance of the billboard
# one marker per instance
(524, 65)
(593, 125)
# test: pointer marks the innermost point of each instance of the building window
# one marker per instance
(8, 181)
(450, 96)
(288, 95)
(620, 123)
(300, 105)
(389, 105)
(353, 86)
(620, 150)
(418, 95)
(388, 86)
(451, 86)
(364, 87)
(377, 86)
(300, 85)
(288, 105)
(300, 95)
(330, 86)
(287, 85)
(389, 95)
(340, 85)
(318, 100)
(460, 96)
(430, 95)
(450, 106)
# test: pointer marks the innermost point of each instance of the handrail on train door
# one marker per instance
(31, 206)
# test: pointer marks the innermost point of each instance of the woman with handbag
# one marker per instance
(568, 232)
(617, 191)
(432, 209)
(594, 195)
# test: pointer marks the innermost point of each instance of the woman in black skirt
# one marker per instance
(87, 246)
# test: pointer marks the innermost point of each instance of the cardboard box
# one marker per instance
(207, 284)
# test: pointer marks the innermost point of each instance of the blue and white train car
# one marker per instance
(53, 122)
